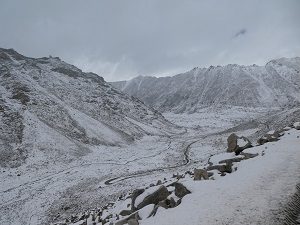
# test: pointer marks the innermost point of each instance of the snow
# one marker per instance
(274, 85)
(251, 195)
(145, 212)
(146, 193)
(241, 142)
(66, 166)
(297, 124)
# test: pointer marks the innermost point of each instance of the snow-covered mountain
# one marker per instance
(52, 107)
(276, 84)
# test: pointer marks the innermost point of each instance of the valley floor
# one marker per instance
(40, 195)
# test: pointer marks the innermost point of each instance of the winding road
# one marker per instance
(186, 161)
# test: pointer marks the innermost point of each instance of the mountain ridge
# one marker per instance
(76, 110)
(277, 84)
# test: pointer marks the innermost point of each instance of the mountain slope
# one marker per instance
(51, 107)
(275, 84)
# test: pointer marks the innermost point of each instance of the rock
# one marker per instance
(248, 155)
(227, 168)
(242, 144)
(297, 125)
(181, 190)
(178, 176)
(161, 194)
(237, 144)
(133, 222)
(158, 182)
(231, 160)
(167, 203)
(232, 142)
(200, 173)
(269, 137)
(210, 174)
(125, 212)
(133, 197)
(134, 216)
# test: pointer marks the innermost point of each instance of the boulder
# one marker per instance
(237, 144)
(134, 216)
(269, 137)
(154, 198)
(227, 168)
(297, 125)
(232, 142)
(125, 212)
(231, 160)
(133, 197)
(167, 203)
(249, 155)
(200, 173)
(180, 190)
(133, 222)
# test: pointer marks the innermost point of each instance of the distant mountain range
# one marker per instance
(52, 107)
(277, 84)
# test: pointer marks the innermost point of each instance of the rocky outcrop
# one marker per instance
(237, 144)
(271, 136)
(227, 168)
(180, 190)
(154, 198)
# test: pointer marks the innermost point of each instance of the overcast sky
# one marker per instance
(123, 39)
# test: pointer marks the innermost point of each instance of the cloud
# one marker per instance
(240, 33)
(123, 39)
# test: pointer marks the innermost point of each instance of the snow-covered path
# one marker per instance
(255, 194)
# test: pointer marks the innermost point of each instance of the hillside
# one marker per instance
(277, 84)
(52, 107)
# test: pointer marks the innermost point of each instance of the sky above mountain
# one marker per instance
(123, 39)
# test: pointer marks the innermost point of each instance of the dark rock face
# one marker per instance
(161, 194)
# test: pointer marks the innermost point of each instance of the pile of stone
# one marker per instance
(142, 203)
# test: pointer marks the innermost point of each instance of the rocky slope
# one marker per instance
(276, 84)
(52, 107)
(238, 182)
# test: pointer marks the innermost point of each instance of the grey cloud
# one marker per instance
(123, 39)
(240, 33)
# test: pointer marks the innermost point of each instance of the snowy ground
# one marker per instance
(38, 195)
(255, 194)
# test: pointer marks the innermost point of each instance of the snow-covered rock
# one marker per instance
(237, 144)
